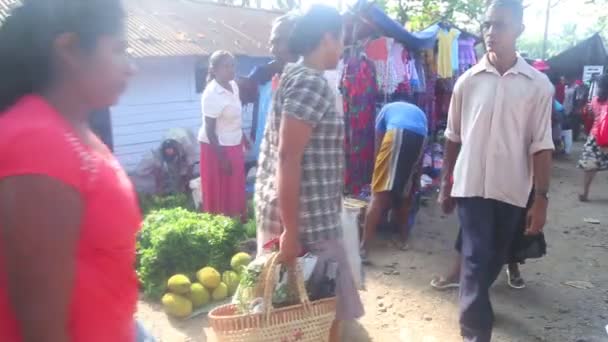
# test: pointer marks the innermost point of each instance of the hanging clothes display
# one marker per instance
(454, 53)
(393, 69)
(443, 96)
(405, 86)
(466, 53)
(427, 98)
(445, 40)
(416, 83)
(419, 68)
(360, 90)
(430, 61)
(396, 66)
(377, 49)
(377, 52)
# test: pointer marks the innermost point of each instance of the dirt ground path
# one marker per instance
(402, 307)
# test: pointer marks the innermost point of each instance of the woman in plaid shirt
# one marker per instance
(300, 173)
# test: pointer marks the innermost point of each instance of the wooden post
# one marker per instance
(546, 36)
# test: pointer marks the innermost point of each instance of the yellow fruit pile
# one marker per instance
(183, 296)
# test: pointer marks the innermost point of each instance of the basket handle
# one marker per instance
(270, 282)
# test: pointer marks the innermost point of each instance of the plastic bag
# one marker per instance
(248, 292)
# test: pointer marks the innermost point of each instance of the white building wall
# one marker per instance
(162, 95)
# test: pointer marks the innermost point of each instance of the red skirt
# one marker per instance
(223, 194)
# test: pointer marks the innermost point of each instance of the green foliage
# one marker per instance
(250, 229)
(585, 19)
(176, 241)
(420, 14)
(149, 203)
(251, 210)
(468, 15)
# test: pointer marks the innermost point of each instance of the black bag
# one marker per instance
(527, 247)
(524, 246)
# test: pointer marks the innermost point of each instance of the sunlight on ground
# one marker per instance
(404, 307)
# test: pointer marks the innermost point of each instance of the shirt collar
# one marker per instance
(217, 88)
(521, 67)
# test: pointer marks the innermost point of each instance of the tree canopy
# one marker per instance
(418, 14)
(468, 14)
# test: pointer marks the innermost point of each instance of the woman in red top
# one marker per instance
(68, 212)
(595, 157)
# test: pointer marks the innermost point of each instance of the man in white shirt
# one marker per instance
(498, 141)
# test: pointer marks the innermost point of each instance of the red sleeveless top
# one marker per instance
(35, 139)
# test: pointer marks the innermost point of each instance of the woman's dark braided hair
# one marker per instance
(28, 34)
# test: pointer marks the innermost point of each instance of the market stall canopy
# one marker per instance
(434, 29)
(570, 63)
(373, 15)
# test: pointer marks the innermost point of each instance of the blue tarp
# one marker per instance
(420, 40)
(428, 32)
(424, 39)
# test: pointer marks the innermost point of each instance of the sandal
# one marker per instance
(516, 283)
(364, 257)
(400, 245)
(442, 284)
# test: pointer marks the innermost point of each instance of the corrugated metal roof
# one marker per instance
(159, 28)
(5, 7)
(149, 37)
(240, 30)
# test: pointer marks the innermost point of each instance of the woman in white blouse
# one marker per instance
(221, 138)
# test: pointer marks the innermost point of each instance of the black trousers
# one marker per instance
(523, 246)
(488, 229)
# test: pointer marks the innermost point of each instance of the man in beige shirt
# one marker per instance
(498, 141)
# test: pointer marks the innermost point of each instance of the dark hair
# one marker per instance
(28, 34)
(286, 22)
(515, 6)
(214, 62)
(312, 26)
(602, 88)
(401, 97)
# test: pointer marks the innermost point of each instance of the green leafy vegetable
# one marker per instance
(176, 241)
(149, 203)
(250, 229)
(251, 210)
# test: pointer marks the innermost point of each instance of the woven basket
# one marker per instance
(304, 322)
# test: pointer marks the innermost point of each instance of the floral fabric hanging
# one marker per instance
(360, 90)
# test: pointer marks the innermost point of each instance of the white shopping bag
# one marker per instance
(350, 228)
